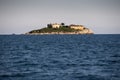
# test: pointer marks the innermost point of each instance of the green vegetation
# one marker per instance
(50, 30)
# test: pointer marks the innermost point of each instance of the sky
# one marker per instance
(21, 16)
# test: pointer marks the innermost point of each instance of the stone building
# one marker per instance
(55, 25)
(79, 27)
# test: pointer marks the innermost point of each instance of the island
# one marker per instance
(55, 28)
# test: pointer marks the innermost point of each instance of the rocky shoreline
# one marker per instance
(88, 31)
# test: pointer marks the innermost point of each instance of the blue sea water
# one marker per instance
(60, 57)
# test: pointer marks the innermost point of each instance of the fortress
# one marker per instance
(73, 26)
(55, 28)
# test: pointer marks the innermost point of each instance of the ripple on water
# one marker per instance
(60, 57)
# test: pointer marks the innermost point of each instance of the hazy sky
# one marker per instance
(20, 16)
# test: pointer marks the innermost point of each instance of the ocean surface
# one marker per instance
(60, 57)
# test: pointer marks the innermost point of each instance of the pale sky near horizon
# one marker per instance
(21, 16)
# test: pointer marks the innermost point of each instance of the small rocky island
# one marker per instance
(62, 29)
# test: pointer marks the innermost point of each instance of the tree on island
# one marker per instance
(49, 25)
(62, 24)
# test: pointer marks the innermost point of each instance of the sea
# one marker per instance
(60, 57)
